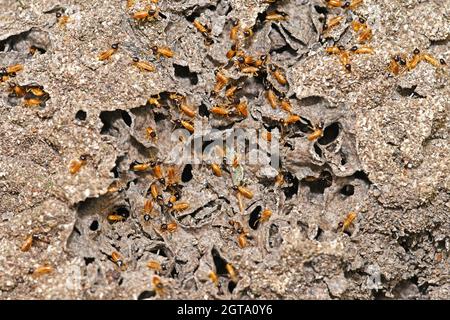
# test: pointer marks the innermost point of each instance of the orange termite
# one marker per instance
(318, 133)
(333, 50)
(352, 4)
(335, 3)
(247, 193)
(231, 272)
(186, 124)
(187, 110)
(417, 57)
(358, 25)
(433, 61)
(348, 221)
(62, 19)
(180, 206)
(293, 118)
(286, 105)
(154, 191)
(115, 218)
(232, 52)
(171, 227)
(276, 16)
(200, 27)
(272, 98)
(365, 35)
(250, 70)
(140, 166)
(76, 164)
(221, 81)
(172, 176)
(248, 33)
(143, 65)
(118, 260)
(331, 23)
(14, 69)
(145, 15)
(154, 101)
(148, 206)
(216, 169)
(242, 108)
(26, 245)
(105, 55)
(158, 286)
(154, 265)
(230, 92)
(162, 51)
(362, 50)
(41, 270)
(242, 240)
(150, 133)
(265, 216)
(220, 111)
(234, 30)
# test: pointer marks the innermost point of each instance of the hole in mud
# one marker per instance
(409, 92)
(88, 260)
(319, 184)
(318, 234)
(291, 190)
(203, 110)
(219, 262)
(362, 176)
(187, 176)
(320, 9)
(146, 295)
(348, 190)
(126, 117)
(317, 150)
(253, 221)
(185, 73)
(94, 225)
(310, 101)
(81, 115)
(28, 41)
(343, 158)
(330, 133)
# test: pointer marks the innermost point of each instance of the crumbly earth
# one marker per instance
(385, 135)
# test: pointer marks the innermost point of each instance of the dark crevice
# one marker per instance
(185, 73)
(219, 262)
(253, 221)
(409, 92)
(319, 184)
(94, 225)
(186, 175)
(330, 133)
(361, 175)
(348, 190)
(291, 190)
(88, 260)
(203, 110)
(81, 115)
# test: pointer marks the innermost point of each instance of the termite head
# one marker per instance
(135, 59)
(362, 20)
(154, 49)
(354, 48)
(169, 205)
(348, 67)
(342, 48)
(146, 217)
(416, 51)
(346, 4)
(115, 46)
(442, 61)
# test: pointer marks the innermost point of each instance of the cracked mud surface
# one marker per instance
(384, 153)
